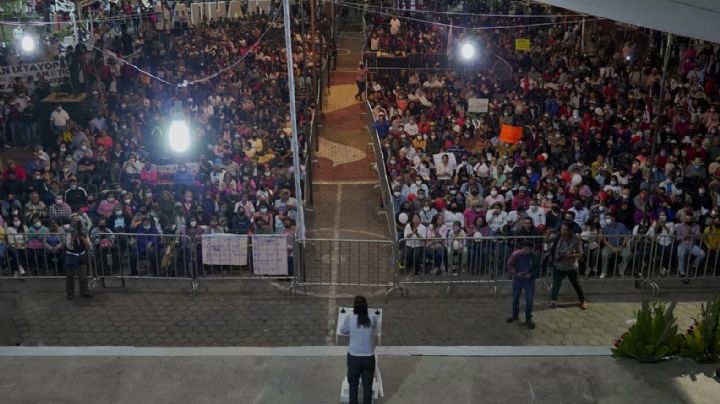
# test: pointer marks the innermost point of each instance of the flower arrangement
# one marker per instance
(653, 337)
(701, 341)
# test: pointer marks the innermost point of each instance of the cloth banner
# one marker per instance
(510, 134)
(270, 255)
(225, 249)
(172, 168)
(53, 72)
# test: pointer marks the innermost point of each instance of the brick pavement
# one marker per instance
(261, 314)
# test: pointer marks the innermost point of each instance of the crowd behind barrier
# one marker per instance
(583, 126)
(106, 165)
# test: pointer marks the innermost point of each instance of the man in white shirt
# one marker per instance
(58, 120)
(496, 218)
(536, 214)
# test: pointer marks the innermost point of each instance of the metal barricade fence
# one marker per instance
(326, 262)
(39, 255)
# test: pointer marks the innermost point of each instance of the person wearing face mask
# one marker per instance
(537, 214)
(77, 249)
(147, 244)
(75, 196)
(264, 215)
(105, 245)
(495, 197)
(183, 178)
(36, 240)
(711, 240)
(565, 254)
(194, 232)
(616, 244)
(687, 235)
(107, 206)
(59, 211)
(496, 218)
(16, 234)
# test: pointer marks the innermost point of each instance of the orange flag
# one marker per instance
(511, 134)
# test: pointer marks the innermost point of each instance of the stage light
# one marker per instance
(627, 58)
(467, 51)
(27, 43)
(179, 136)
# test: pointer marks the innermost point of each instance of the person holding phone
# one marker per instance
(566, 252)
(360, 326)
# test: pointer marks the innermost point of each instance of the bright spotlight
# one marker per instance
(627, 58)
(27, 43)
(467, 51)
(179, 136)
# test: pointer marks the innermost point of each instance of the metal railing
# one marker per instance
(328, 262)
(643, 260)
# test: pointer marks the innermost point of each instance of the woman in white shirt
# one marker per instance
(360, 326)
(414, 234)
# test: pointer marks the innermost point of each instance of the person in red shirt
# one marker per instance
(16, 169)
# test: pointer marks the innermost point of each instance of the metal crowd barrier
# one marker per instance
(326, 262)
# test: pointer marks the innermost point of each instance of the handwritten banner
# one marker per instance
(225, 249)
(270, 255)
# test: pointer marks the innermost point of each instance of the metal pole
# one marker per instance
(656, 135)
(313, 45)
(293, 122)
(582, 37)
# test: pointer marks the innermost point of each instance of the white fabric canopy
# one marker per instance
(691, 18)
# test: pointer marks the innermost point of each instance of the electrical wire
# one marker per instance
(577, 20)
(401, 10)
(186, 83)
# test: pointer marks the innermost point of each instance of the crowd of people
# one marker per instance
(110, 172)
(588, 110)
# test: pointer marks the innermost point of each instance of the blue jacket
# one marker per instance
(146, 237)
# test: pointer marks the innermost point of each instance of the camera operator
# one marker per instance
(78, 248)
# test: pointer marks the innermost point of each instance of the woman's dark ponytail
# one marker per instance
(360, 309)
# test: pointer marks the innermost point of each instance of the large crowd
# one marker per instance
(586, 158)
(110, 171)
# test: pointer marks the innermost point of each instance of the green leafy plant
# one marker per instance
(702, 340)
(653, 337)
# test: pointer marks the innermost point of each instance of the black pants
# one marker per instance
(81, 271)
(572, 276)
(360, 366)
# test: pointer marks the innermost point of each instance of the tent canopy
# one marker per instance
(698, 19)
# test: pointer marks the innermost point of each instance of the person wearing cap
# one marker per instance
(696, 172)
(524, 267)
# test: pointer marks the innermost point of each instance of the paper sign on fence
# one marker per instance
(270, 255)
(225, 249)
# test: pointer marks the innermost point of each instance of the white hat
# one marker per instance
(403, 218)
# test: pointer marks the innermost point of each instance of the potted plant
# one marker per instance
(702, 340)
(653, 337)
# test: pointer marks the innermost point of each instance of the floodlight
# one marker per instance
(179, 136)
(467, 51)
(27, 43)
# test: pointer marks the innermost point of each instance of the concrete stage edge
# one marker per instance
(313, 375)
